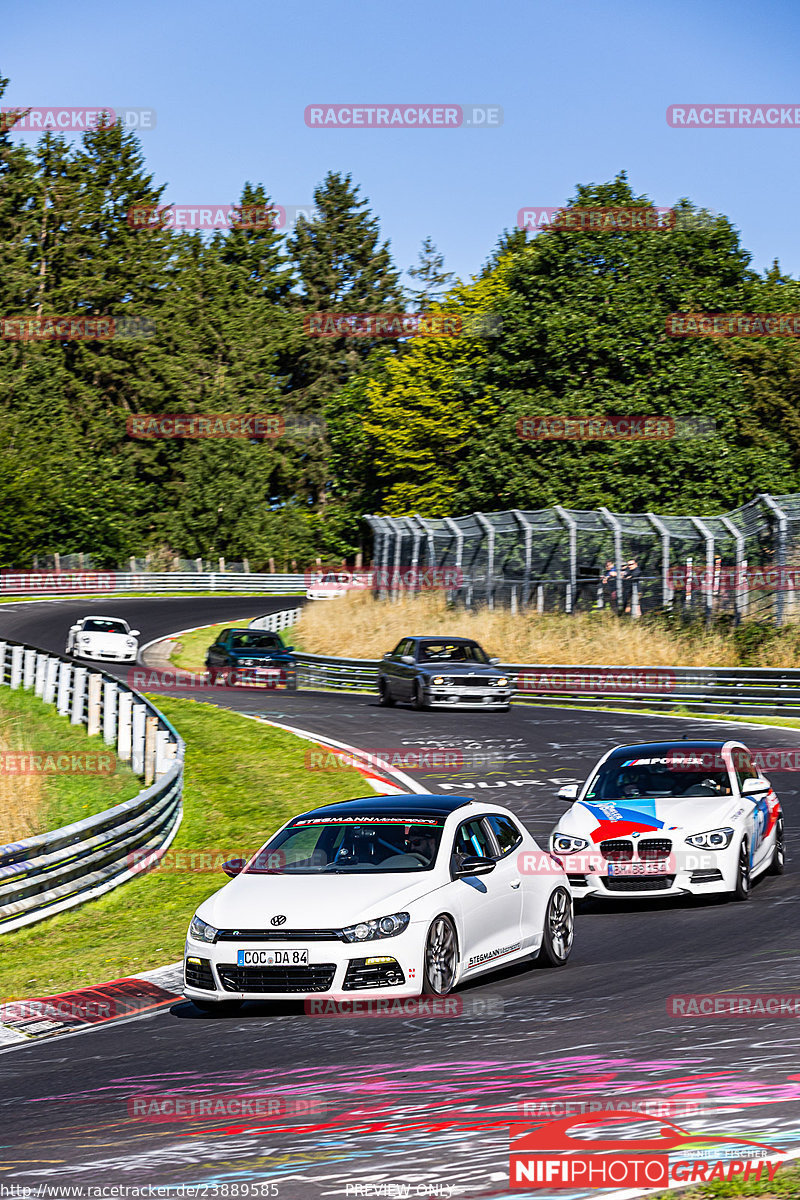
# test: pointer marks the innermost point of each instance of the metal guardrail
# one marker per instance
(738, 690)
(277, 620)
(50, 872)
(70, 583)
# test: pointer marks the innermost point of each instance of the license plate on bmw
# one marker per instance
(637, 868)
(272, 958)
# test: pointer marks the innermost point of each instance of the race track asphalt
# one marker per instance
(424, 1101)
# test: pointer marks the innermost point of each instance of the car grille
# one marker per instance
(315, 978)
(467, 681)
(638, 883)
(198, 975)
(377, 975)
(617, 851)
(280, 935)
(655, 848)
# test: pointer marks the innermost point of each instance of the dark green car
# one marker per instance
(252, 658)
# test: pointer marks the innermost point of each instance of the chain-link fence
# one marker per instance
(745, 563)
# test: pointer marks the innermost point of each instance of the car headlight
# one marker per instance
(563, 843)
(501, 682)
(438, 680)
(714, 839)
(86, 637)
(201, 931)
(382, 927)
(130, 643)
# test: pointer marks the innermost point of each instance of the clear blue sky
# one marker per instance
(584, 87)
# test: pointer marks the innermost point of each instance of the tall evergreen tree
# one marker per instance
(432, 279)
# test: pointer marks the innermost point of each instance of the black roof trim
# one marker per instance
(391, 806)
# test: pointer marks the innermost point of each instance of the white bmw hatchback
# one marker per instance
(670, 818)
(387, 896)
(105, 639)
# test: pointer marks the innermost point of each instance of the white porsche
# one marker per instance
(668, 818)
(386, 896)
(106, 639)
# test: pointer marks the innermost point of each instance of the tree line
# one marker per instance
(562, 324)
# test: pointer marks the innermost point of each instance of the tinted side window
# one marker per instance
(473, 838)
(506, 832)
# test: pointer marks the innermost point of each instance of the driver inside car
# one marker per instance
(423, 844)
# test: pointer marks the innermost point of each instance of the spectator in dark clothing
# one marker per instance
(631, 575)
(609, 582)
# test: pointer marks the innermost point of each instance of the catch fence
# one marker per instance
(745, 563)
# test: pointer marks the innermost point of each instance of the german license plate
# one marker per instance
(272, 958)
(637, 868)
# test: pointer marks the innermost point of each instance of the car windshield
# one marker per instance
(353, 845)
(451, 652)
(335, 579)
(255, 641)
(96, 625)
(681, 772)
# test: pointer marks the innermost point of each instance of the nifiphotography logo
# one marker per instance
(564, 1154)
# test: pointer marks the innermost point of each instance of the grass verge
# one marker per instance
(359, 626)
(243, 780)
(35, 801)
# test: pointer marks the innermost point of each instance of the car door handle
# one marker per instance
(515, 883)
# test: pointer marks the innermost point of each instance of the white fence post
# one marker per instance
(163, 759)
(137, 738)
(16, 666)
(41, 673)
(29, 669)
(64, 673)
(78, 695)
(93, 708)
(2, 663)
(110, 691)
(150, 728)
(125, 704)
(50, 680)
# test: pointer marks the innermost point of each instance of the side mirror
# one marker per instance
(569, 792)
(474, 864)
(233, 866)
(755, 787)
(388, 654)
(135, 632)
(287, 649)
(408, 658)
(494, 661)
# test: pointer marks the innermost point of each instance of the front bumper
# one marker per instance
(453, 695)
(695, 873)
(102, 656)
(335, 969)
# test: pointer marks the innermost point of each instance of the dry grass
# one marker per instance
(21, 796)
(359, 626)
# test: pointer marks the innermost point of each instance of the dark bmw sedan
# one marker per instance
(252, 656)
(449, 672)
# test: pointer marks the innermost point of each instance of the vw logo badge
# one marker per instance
(279, 920)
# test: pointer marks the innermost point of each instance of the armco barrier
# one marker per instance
(71, 583)
(277, 620)
(50, 872)
(740, 690)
